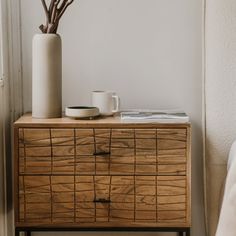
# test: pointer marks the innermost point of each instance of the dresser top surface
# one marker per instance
(27, 120)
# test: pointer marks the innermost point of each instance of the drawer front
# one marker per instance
(87, 199)
(102, 151)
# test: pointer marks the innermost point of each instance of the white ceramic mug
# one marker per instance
(107, 102)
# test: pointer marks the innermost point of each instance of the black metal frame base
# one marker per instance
(27, 231)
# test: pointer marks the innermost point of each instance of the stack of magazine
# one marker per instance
(160, 116)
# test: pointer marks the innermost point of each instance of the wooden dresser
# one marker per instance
(101, 175)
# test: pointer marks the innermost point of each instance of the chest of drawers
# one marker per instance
(102, 173)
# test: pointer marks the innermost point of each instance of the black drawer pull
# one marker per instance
(102, 200)
(101, 153)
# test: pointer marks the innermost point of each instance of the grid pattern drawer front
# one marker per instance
(103, 151)
(86, 199)
(172, 151)
(104, 198)
(46, 151)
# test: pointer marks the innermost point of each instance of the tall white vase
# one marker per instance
(47, 76)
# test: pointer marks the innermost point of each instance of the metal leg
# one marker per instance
(188, 232)
(17, 232)
(27, 233)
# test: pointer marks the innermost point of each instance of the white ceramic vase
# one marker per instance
(47, 76)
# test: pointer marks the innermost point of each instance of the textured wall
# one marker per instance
(149, 51)
(220, 96)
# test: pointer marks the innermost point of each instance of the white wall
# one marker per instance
(148, 51)
(220, 96)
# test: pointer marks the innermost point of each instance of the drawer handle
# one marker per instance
(101, 153)
(102, 200)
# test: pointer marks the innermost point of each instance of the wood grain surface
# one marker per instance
(103, 175)
(102, 198)
(105, 151)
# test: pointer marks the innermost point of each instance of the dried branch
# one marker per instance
(53, 14)
(68, 2)
(45, 9)
(51, 8)
(43, 28)
(62, 5)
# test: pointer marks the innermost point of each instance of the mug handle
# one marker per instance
(117, 103)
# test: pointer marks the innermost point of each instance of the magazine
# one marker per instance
(170, 116)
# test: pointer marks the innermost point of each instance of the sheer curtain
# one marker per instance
(10, 104)
(3, 96)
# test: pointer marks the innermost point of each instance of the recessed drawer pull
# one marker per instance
(101, 153)
(102, 200)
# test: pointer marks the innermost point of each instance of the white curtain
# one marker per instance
(10, 105)
(3, 208)
(3, 202)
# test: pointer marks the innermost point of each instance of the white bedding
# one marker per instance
(227, 220)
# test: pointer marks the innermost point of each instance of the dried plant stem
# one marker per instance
(51, 8)
(69, 2)
(45, 9)
(53, 14)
